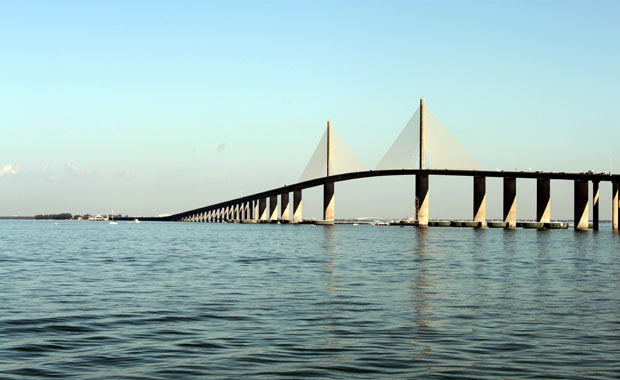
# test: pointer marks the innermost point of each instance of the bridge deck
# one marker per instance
(396, 172)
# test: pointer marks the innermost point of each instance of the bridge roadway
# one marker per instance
(542, 177)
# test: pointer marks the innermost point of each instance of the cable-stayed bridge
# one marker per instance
(423, 148)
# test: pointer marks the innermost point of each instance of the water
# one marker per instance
(88, 300)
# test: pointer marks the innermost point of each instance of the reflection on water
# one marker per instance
(175, 300)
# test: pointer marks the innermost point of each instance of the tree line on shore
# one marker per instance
(66, 216)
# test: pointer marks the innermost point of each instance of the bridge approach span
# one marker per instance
(244, 207)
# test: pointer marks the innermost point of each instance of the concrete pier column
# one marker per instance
(297, 206)
(421, 200)
(595, 196)
(543, 200)
(510, 202)
(614, 206)
(480, 201)
(273, 207)
(328, 201)
(581, 205)
(248, 210)
(285, 212)
(255, 214)
(262, 209)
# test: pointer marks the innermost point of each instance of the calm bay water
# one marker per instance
(90, 300)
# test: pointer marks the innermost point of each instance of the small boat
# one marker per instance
(136, 220)
(113, 221)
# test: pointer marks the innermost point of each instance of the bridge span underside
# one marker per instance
(253, 208)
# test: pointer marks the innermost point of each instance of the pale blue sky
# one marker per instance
(152, 107)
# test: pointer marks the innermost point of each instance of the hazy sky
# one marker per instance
(162, 106)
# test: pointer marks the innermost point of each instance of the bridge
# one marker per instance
(333, 159)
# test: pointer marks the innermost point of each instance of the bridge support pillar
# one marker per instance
(581, 205)
(273, 207)
(328, 201)
(262, 209)
(285, 213)
(480, 201)
(255, 215)
(543, 200)
(421, 200)
(595, 197)
(297, 206)
(614, 206)
(510, 202)
(248, 210)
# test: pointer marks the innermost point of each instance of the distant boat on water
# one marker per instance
(112, 216)
(136, 220)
